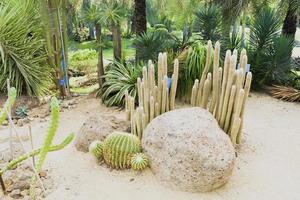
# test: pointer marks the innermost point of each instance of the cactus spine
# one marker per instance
(139, 161)
(119, 147)
(229, 91)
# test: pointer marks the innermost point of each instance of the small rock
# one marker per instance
(43, 174)
(24, 177)
(25, 193)
(72, 102)
(132, 179)
(16, 194)
(5, 123)
(67, 188)
(26, 198)
(21, 185)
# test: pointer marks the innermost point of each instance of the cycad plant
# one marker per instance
(119, 78)
(269, 53)
(208, 22)
(22, 48)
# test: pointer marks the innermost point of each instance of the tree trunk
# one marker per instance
(290, 22)
(140, 17)
(117, 45)
(100, 65)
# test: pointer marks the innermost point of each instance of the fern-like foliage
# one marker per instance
(8, 104)
(119, 147)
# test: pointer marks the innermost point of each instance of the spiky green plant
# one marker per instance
(8, 104)
(22, 48)
(139, 161)
(22, 111)
(119, 147)
(12, 164)
(96, 148)
(269, 53)
(119, 78)
(47, 142)
(208, 22)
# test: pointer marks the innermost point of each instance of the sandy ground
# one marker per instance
(267, 166)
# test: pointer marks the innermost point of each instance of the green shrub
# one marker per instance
(119, 78)
(208, 23)
(81, 55)
(192, 62)
(269, 53)
(22, 48)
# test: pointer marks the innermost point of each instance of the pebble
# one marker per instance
(16, 194)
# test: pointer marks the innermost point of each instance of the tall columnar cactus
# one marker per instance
(154, 98)
(47, 143)
(119, 147)
(139, 161)
(229, 91)
(12, 93)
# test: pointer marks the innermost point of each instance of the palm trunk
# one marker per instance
(290, 22)
(140, 17)
(117, 45)
(50, 14)
(100, 65)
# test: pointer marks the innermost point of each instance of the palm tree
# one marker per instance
(55, 32)
(290, 22)
(140, 17)
(113, 13)
(93, 16)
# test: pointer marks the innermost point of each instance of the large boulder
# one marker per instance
(188, 150)
(97, 128)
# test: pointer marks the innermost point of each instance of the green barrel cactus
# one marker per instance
(139, 161)
(96, 148)
(119, 147)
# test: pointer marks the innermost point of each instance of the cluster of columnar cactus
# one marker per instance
(120, 150)
(224, 92)
(154, 97)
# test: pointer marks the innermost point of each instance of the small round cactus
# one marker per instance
(119, 147)
(96, 148)
(139, 161)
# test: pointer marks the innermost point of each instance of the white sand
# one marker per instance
(268, 165)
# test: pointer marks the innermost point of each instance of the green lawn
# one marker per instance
(127, 46)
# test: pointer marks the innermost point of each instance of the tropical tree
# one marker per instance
(140, 16)
(22, 48)
(55, 32)
(114, 11)
(86, 5)
(290, 21)
(93, 16)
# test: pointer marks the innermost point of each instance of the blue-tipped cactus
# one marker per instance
(139, 161)
(119, 147)
(12, 94)
(96, 148)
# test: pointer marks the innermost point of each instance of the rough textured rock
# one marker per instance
(188, 151)
(97, 128)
